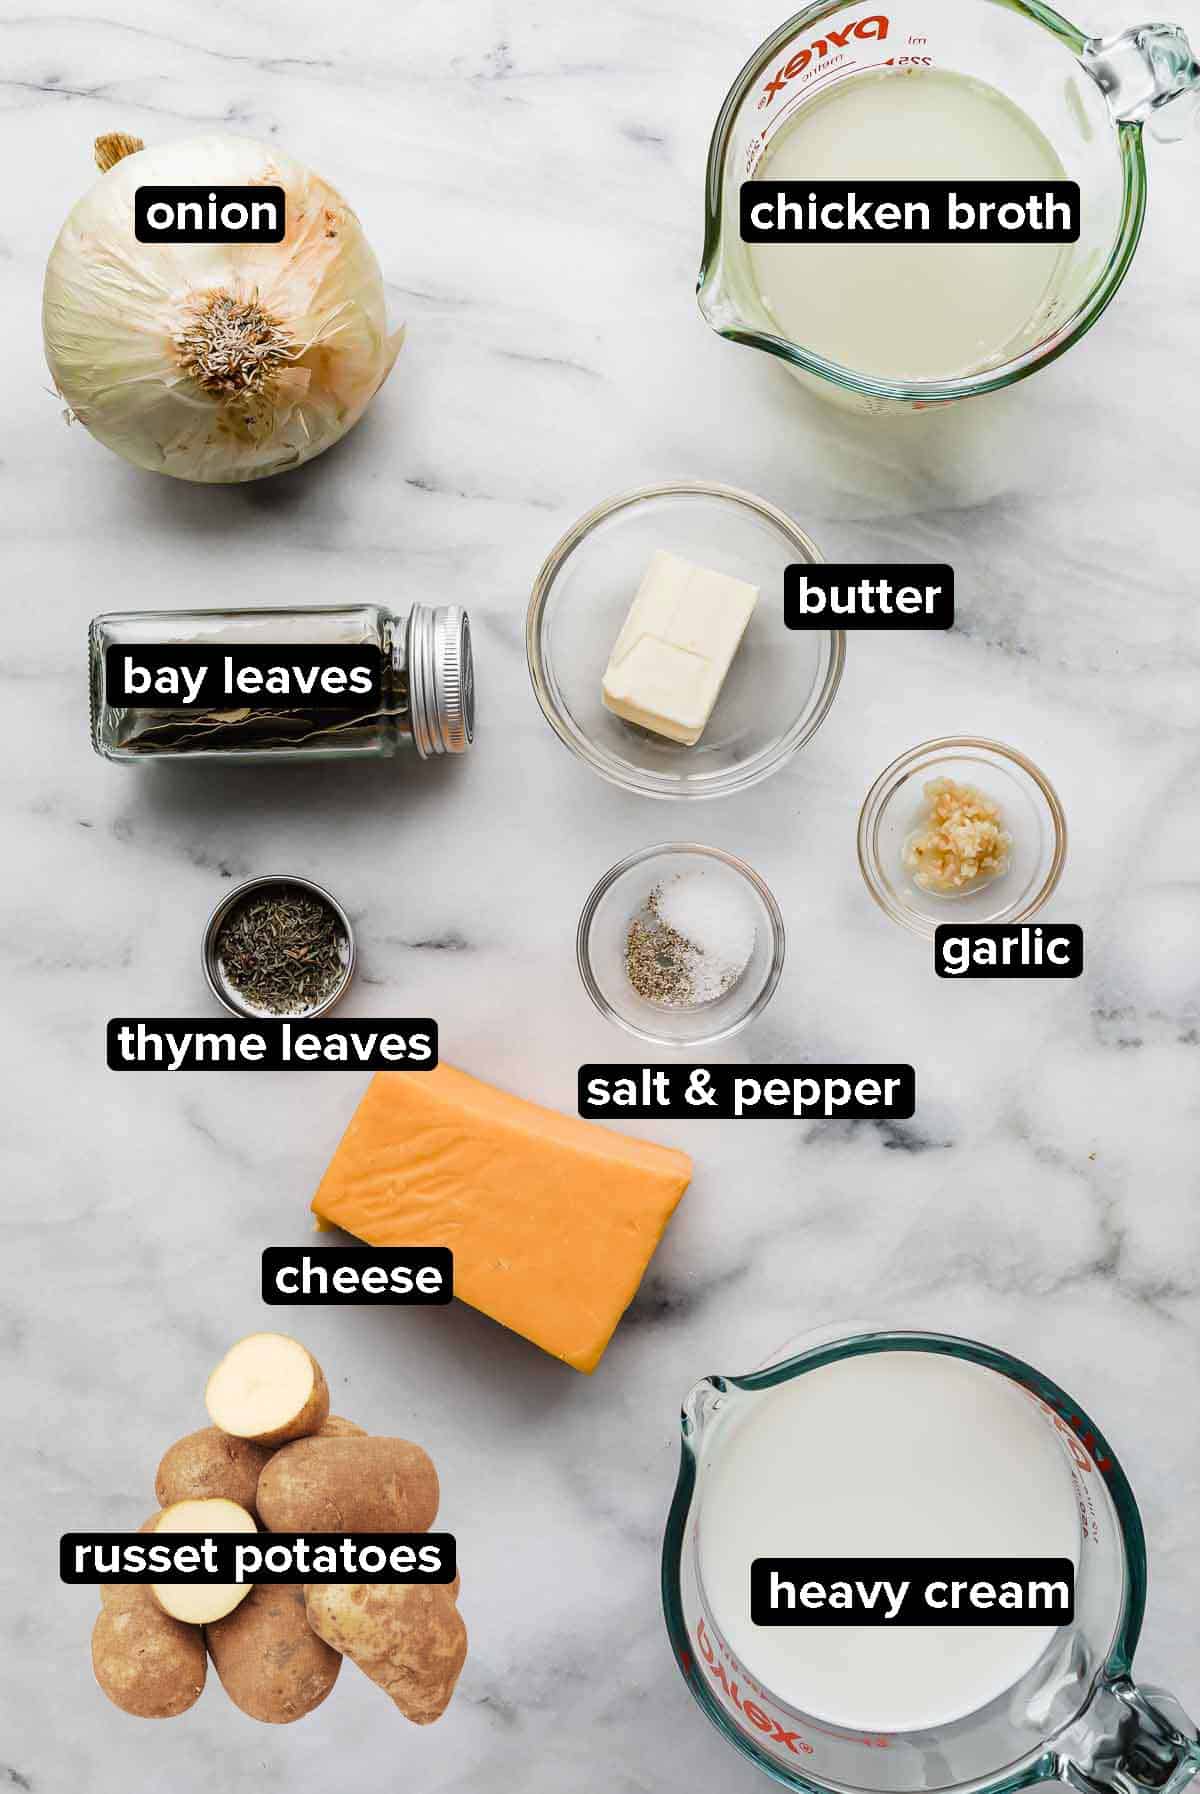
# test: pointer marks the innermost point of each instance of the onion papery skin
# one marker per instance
(115, 313)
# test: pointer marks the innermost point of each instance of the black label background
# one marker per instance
(213, 695)
(225, 1543)
(272, 1032)
(359, 1259)
(935, 194)
(145, 197)
(843, 573)
(723, 1080)
(1071, 932)
(920, 1571)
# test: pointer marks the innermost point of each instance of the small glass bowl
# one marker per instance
(1030, 811)
(220, 986)
(603, 930)
(782, 681)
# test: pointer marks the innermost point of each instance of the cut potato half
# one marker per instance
(267, 1388)
(200, 1603)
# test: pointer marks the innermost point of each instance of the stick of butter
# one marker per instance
(676, 645)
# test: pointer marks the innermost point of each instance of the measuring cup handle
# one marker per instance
(1133, 1741)
(1149, 76)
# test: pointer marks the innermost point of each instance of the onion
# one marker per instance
(222, 361)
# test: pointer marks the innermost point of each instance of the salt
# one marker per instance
(715, 918)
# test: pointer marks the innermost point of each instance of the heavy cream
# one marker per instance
(885, 1455)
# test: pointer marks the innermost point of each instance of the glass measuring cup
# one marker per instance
(1076, 1717)
(1091, 98)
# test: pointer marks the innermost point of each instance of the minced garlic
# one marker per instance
(959, 843)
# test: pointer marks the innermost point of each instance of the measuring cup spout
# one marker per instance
(700, 1406)
(1149, 76)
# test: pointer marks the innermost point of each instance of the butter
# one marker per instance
(676, 646)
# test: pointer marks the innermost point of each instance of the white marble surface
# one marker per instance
(530, 174)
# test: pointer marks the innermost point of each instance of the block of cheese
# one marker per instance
(675, 647)
(552, 1220)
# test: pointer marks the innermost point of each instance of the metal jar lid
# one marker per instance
(441, 679)
(225, 993)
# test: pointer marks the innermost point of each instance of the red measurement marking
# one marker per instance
(874, 25)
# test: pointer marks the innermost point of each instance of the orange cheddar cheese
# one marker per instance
(552, 1220)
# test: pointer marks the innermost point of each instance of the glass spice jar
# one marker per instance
(427, 686)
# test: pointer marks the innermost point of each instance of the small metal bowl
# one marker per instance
(224, 992)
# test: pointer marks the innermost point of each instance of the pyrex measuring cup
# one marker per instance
(1076, 1717)
(1091, 97)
